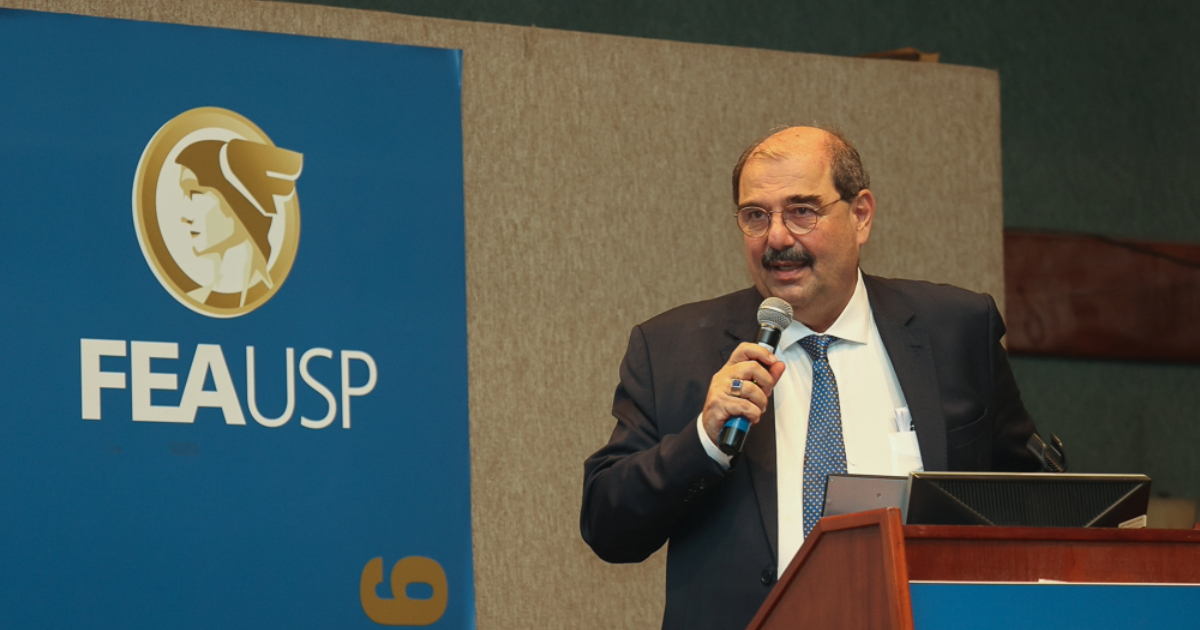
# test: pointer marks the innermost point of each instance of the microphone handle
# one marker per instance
(733, 434)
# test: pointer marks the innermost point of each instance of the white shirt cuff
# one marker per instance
(709, 447)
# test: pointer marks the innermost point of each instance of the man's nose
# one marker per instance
(779, 237)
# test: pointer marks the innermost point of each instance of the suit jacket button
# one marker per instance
(700, 485)
(768, 576)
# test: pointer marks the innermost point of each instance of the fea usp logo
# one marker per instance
(217, 212)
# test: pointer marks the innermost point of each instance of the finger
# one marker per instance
(723, 401)
(751, 392)
(754, 371)
(777, 370)
(752, 352)
(738, 408)
(721, 408)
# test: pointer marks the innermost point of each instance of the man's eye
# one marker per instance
(754, 214)
(801, 211)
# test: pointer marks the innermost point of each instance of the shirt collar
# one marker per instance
(853, 325)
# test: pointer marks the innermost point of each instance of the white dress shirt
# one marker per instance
(871, 403)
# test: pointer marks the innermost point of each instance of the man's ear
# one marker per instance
(862, 209)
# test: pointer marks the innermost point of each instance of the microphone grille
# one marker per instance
(775, 312)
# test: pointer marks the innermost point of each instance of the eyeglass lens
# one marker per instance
(797, 219)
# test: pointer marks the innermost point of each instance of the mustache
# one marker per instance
(794, 254)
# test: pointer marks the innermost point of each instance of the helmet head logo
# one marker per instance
(216, 211)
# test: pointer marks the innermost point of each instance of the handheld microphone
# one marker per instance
(774, 315)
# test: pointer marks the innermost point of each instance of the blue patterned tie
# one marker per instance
(824, 450)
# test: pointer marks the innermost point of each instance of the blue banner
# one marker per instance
(234, 328)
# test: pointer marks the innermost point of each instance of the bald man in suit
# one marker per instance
(734, 522)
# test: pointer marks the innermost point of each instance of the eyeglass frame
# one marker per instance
(816, 210)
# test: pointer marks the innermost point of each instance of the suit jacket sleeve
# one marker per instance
(654, 468)
(1013, 425)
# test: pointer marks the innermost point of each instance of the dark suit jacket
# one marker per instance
(653, 481)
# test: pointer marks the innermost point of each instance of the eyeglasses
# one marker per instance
(799, 219)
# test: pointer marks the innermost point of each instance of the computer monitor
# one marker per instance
(1012, 499)
(847, 494)
(1026, 499)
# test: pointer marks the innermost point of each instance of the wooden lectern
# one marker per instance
(854, 570)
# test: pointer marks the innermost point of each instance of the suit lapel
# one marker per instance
(911, 354)
(758, 452)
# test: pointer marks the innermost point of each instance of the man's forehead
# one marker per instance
(793, 179)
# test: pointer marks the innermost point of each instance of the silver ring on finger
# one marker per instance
(735, 388)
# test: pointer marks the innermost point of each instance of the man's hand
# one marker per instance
(758, 370)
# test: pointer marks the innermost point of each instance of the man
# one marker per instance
(863, 355)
